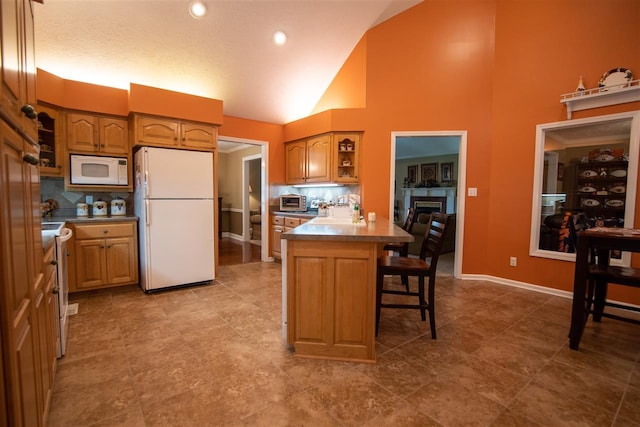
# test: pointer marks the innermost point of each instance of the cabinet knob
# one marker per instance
(54, 262)
(101, 246)
(29, 111)
(55, 290)
(95, 145)
(108, 246)
(105, 231)
(31, 159)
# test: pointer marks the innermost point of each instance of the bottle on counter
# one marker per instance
(356, 213)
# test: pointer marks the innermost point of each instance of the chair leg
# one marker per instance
(405, 281)
(600, 298)
(590, 295)
(421, 300)
(379, 281)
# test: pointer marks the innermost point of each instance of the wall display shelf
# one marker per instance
(600, 189)
(601, 97)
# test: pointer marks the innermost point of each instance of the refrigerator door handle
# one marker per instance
(146, 173)
(146, 212)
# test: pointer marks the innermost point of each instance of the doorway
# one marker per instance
(245, 168)
(421, 144)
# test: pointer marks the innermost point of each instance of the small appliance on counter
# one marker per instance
(99, 208)
(118, 207)
(293, 203)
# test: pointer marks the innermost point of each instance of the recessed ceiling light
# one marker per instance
(279, 38)
(197, 9)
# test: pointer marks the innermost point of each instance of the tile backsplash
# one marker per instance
(53, 188)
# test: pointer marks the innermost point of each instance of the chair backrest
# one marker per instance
(409, 220)
(434, 239)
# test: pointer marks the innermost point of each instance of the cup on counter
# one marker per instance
(82, 210)
(371, 217)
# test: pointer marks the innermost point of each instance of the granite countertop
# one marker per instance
(381, 231)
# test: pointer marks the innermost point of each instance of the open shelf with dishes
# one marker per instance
(50, 155)
(347, 147)
(600, 189)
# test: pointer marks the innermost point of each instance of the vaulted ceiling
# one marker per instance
(228, 55)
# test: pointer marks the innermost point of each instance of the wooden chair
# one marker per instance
(417, 267)
(600, 275)
(403, 247)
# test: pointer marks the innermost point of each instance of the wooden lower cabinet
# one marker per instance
(331, 299)
(281, 224)
(104, 255)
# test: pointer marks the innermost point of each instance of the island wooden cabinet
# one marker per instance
(331, 299)
(91, 133)
(105, 254)
(166, 132)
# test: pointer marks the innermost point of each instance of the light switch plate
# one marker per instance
(473, 192)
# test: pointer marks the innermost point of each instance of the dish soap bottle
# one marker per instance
(356, 214)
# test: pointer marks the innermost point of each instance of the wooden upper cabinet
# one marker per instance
(156, 131)
(114, 135)
(18, 66)
(346, 157)
(295, 162)
(330, 157)
(165, 132)
(309, 160)
(318, 162)
(97, 134)
(195, 135)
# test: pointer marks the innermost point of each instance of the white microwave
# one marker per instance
(98, 170)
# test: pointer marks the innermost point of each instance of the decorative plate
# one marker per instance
(604, 158)
(590, 202)
(615, 203)
(588, 174)
(614, 79)
(587, 189)
(618, 189)
(619, 173)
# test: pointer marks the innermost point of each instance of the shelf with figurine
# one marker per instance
(616, 86)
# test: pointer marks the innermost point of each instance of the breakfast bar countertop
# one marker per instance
(382, 230)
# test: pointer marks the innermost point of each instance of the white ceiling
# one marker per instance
(227, 55)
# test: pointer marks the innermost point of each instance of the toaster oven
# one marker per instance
(293, 203)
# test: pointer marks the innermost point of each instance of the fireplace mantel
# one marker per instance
(448, 192)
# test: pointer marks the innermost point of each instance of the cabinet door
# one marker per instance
(318, 165)
(276, 243)
(16, 294)
(122, 258)
(90, 263)
(295, 162)
(156, 132)
(114, 136)
(194, 135)
(82, 132)
(18, 63)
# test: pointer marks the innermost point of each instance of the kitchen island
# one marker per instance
(329, 286)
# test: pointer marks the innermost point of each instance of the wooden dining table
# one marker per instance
(604, 240)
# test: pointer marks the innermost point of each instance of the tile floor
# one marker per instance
(213, 355)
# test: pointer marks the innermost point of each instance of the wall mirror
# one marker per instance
(586, 168)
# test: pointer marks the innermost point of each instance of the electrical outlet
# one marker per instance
(513, 261)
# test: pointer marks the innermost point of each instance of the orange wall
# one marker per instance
(495, 69)
(262, 131)
(162, 102)
(348, 89)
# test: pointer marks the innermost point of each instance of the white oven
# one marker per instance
(98, 170)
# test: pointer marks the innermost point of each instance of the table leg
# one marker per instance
(578, 308)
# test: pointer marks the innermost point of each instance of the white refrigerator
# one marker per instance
(173, 198)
